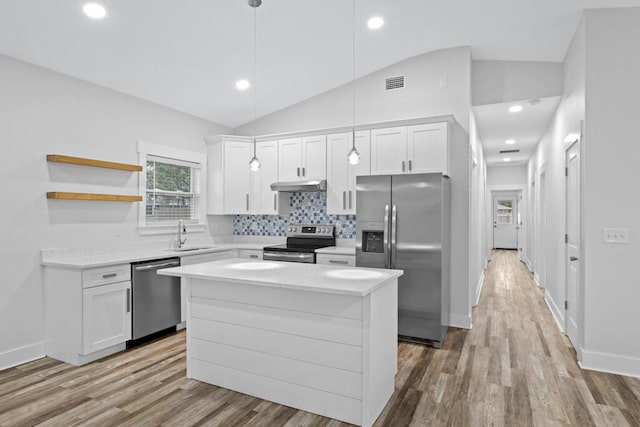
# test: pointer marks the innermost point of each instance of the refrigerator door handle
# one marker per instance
(385, 233)
(394, 231)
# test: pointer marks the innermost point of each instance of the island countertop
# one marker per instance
(354, 281)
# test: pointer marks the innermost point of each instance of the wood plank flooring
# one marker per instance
(513, 369)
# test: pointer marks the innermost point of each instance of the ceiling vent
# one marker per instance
(509, 151)
(394, 83)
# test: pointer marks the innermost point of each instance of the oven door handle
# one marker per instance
(286, 256)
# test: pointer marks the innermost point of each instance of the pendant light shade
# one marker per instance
(254, 163)
(353, 156)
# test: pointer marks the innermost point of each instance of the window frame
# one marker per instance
(146, 149)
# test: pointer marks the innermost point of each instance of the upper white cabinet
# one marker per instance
(301, 159)
(263, 200)
(237, 177)
(410, 149)
(228, 175)
(341, 176)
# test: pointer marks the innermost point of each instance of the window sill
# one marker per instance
(147, 230)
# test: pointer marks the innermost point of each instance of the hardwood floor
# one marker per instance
(514, 369)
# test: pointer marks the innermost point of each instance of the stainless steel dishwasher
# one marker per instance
(156, 299)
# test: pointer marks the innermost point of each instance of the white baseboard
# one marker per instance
(20, 355)
(479, 289)
(528, 264)
(537, 280)
(611, 363)
(460, 321)
(558, 316)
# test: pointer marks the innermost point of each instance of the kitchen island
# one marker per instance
(318, 338)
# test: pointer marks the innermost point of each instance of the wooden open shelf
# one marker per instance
(94, 163)
(92, 196)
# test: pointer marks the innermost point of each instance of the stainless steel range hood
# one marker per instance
(314, 185)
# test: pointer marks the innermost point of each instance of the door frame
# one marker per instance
(522, 205)
(580, 299)
(540, 267)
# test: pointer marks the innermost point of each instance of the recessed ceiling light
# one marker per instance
(515, 108)
(243, 84)
(375, 23)
(510, 141)
(94, 10)
(507, 159)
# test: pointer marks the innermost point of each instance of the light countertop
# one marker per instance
(306, 277)
(101, 260)
(337, 250)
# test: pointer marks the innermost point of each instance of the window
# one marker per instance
(504, 214)
(172, 190)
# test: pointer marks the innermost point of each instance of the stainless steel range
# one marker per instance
(302, 242)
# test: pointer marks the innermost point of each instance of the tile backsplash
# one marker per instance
(305, 208)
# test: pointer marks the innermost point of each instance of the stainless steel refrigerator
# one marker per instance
(403, 222)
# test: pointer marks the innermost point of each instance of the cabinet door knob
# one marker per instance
(573, 258)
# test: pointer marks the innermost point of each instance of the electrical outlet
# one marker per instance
(615, 235)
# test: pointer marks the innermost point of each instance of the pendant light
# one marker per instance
(353, 156)
(254, 163)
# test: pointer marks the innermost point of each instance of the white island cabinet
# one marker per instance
(318, 338)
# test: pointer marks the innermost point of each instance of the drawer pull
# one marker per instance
(253, 256)
(109, 275)
(338, 261)
(128, 300)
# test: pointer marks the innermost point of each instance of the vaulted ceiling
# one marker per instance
(187, 55)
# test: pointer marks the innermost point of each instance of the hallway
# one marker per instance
(514, 368)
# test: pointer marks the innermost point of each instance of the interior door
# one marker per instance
(573, 241)
(505, 222)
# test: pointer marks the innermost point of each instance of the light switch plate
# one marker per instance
(615, 235)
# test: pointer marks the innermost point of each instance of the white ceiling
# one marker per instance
(497, 125)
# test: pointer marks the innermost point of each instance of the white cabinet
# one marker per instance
(87, 312)
(106, 316)
(341, 176)
(336, 260)
(199, 259)
(263, 200)
(410, 149)
(251, 253)
(302, 159)
(237, 177)
(228, 175)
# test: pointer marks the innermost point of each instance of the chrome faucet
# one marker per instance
(181, 230)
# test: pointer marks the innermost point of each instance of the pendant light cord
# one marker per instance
(255, 77)
(353, 69)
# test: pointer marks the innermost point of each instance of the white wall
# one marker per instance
(612, 291)
(546, 248)
(495, 82)
(43, 112)
(507, 175)
(422, 96)
(478, 253)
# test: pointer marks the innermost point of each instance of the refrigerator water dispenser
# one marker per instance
(373, 241)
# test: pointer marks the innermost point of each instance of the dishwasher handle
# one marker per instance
(161, 265)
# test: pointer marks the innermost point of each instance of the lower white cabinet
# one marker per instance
(199, 259)
(87, 312)
(251, 253)
(106, 316)
(336, 260)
